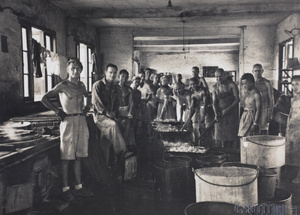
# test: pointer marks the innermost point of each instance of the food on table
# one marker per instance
(183, 147)
(168, 128)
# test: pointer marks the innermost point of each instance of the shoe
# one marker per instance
(68, 196)
(83, 193)
(60, 205)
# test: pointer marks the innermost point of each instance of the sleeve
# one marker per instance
(97, 103)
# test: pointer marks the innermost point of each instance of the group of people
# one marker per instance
(152, 96)
(123, 112)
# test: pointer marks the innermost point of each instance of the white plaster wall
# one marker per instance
(259, 47)
(182, 63)
(116, 46)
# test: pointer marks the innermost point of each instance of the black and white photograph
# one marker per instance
(149, 107)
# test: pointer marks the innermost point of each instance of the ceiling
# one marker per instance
(195, 13)
(192, 14)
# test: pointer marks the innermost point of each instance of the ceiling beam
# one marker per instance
(187, 49)
(189, 41)
(204, 11)
(193, 22)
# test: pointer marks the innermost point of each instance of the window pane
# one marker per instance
(290, 51)
(26, 85)
(90, 55)
(49, 82)
(83, 58)
(90, 84)
(25, 63)
(48, 43)
(39, 87)
(24, 39)
(283, 57)
(38, 35)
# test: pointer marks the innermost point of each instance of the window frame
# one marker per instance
(53, 47)
(89, 75)
(285, 87)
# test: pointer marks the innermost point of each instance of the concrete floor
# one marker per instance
(140, 196)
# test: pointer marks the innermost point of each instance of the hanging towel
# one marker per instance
(36, 59)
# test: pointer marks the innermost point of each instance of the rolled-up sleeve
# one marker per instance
(97, 103)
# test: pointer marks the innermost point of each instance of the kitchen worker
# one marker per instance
(125, 101)
(74, 132)
(135, 108)
(292, 145)
(152, 103)
(195, 72)
(179, 81)
(252, 107)
(183, 101)
(264, 86)
(166, 104)
(225, 99)
(145, 118)
(105, 107)
(197, 109)
(148, 73)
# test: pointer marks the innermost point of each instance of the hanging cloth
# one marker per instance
(95, 69)
(36, 59)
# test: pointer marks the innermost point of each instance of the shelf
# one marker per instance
(286, 70)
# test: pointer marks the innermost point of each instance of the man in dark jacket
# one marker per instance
(105, 107)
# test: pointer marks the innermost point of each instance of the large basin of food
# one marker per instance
(183, 147)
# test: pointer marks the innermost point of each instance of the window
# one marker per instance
(286, 53)
(36, 45)
(84, 54)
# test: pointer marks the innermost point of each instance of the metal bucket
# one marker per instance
(209, 161)
(276, 170)
(216, 153)
(232, 154)
(235, 185)
(281, 203)
(266, 185)
(267, 151)
(185, 163)
(172, 178)
(212, 208)
(238, 164)
(174, 160)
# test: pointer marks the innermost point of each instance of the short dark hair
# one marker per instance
(111, 65)
(136, 78)
(141, 72)
(258, 65)
(124, 71)
(248, 77)
(75, 60)
(196, 68)
(220, 70)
